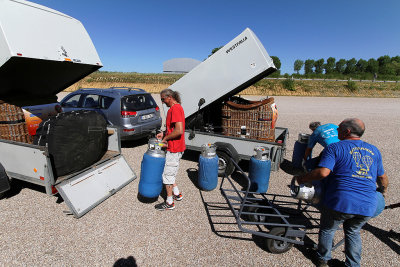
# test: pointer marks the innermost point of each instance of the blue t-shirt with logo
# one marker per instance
(325, 134)
(351, 186)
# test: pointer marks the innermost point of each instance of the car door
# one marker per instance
(72, 102)
(90, 102)
(106, 109)
(81, 102)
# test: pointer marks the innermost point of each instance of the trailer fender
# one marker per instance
(225, 151)
(4, 181)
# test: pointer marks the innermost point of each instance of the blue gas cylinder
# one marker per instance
(208, 167)
(299, 149)
(260, 170)
(380, 205)
(152, 167)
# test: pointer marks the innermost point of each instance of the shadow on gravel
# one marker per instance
(309, 251)
(191, 155)
(212, 209)
(125, 262)
(287, 167)
(240, 179)
(384, 236)
(134, 143)
(59, 199)
(193, 174)
(18, 185)
(147, 200)
(311, 254)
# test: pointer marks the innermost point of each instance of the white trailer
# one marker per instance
(239, 64)
(43, 51)
(54, 50)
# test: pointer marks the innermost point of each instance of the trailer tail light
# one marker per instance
(41, 178)
(54, 190)
(129, 130)
(19, 54)
(128, 114)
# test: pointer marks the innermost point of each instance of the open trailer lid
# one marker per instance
(42, 51)
(234, 67)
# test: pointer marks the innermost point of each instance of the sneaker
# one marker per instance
(178, 197)
(165, 206)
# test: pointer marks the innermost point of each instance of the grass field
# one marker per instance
(154, 83)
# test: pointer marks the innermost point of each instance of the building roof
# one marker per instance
(180, 65)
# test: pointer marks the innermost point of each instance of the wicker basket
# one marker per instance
(12, 124)
(250, 119)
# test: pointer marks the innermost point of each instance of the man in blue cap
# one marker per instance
(324, 135)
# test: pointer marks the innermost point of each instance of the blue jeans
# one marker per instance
(330, 221)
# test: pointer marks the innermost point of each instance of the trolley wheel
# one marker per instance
(262, 218)
(255, 217)
(278, 246)
(225, 164)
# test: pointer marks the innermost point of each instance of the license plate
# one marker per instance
(146, 117)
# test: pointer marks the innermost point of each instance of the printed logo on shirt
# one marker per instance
(328, 133)
(363, 163)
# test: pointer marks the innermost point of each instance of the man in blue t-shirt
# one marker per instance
(352, 168)
(323, 134)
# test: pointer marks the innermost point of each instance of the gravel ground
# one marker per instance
(122, 231)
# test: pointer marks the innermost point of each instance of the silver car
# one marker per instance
(132, 110)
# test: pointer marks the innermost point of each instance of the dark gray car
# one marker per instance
(132, 110)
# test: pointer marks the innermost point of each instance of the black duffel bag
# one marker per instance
(75, 140)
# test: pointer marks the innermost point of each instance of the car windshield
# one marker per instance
(137, 102)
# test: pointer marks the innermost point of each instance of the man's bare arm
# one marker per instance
(177, 132)
(383, 182)
(316, 174)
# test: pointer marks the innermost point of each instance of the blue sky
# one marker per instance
(138, 36)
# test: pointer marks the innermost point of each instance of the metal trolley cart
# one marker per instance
(281, 220)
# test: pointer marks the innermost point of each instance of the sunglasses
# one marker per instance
(163, 98)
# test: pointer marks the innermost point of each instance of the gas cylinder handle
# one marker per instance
(262, 153)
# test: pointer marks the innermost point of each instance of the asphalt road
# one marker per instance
(123, 231)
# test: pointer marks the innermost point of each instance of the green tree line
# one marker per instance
(385, 67)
